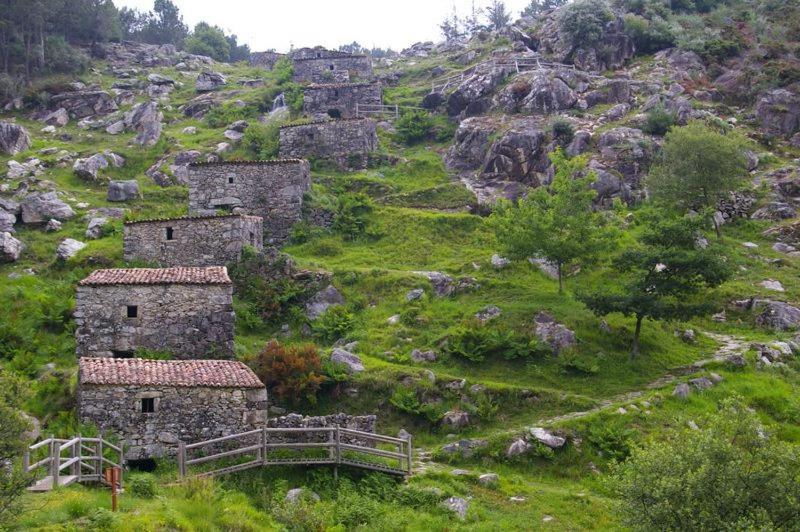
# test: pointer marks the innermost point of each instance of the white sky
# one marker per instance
(265, 24)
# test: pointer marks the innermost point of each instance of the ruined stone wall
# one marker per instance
(347, 143)
(339, 100)
(190, 321)
(207, 241)
(332, 69)
(188, 414)
(272, 190)
(265, 60)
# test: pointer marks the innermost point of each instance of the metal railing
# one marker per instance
(297, 446)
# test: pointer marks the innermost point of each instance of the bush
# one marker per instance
(475, 344)
(583, 22)
(405, 400)
(352, 211)
(659, 121)
(613, 442)
(261, 141)
(291, 372)
(142, 486)
(649, 35)
(414, 126)
(563, 132)
(63, 58)
(337, 322)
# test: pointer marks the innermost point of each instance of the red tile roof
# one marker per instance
(141, 372)
(194, 275)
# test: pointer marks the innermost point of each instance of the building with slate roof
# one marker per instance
(152, 405)
(186, 312)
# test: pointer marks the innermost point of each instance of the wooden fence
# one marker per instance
(365, 110)
(297, 446)
(84, 462)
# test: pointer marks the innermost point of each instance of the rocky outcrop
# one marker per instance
(322, 301)
(778, 111)
(209, 81)
(473, 96)
(13, 138)
(40, 207)
(776, 315)
(85, 103)
(123, 190)
(68, 248)
(552, 333)
(10, 247)
(540, 92)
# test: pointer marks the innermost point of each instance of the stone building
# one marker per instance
(318, 65)
(187, 312)
(347, 142)
(265, 60)
(192, 240)
(272, 190)
(339, 100)
(151, 405)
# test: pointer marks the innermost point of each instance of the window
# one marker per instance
(133, 311)
(121, 354)
(230, 180)
(148, 405)
(252, 238)
(335, 93)
(319, 54)
(334, 113)
(170, 233)
(330, 67)
(310, 135)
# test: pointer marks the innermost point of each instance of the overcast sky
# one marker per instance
(265, 24)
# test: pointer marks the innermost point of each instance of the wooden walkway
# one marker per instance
(84, 462)
(296, 446)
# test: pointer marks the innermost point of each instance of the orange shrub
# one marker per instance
(290, 372)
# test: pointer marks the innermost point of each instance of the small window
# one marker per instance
(148, 405)
(133, 311)
(319, 54)
(310, 135)
(170, 233)
(252, 238)
(230, 180)
(330, 68)
(121, 354)
(335, 93)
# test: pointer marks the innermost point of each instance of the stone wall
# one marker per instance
(190, 321)
(347, 143)
(188, 414)
(272, 190)
(345, 421)
(265, 60)
(192, 241)
(332, 69)
(339, 100)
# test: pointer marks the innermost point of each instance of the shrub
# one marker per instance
(283, 70)
(414, 126)
(649, 35)
(142, 486)
(337, 322)
(261, 141)
(573, 361)
(475, 344)
(611, 441)
(659, 121)
(291, 372)
(351, 214)
(405, 400)
(63, 58)
(563, 131)
(583, 22)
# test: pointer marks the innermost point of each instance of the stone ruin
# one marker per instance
(347, 143)
(187, 312)
(265, 60)
(317, 65)
(340, 100)
(151, 405)
(192, 240)
(272, 190)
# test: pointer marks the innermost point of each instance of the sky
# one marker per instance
(278, 24)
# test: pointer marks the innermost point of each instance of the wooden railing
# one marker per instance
(363, 109)
(85, 460)
(297, 446)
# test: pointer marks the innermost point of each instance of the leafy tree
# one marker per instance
(12, 445)
(659, 121)
(353, 48)
(208, 40)
(732, 474)
(664, 277)
(414, 126)
(697, 168)
(451, 27)
(291, 372)
(582, 22)
(538, 7)
(498, 15)
(558, 223)
(239, 52)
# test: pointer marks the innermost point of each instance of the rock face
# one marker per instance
(209, 81)
(13, 138)
(272, 190)
(350, 360)
(455, 419)
(145, 119)
(473, 96)
(40, 207)
(556, 335)
(192, 241)
(68, 248)
(85, 103)
(778, 111)
(538, 93)
(123, 190)
(346, 143)
(10, 248)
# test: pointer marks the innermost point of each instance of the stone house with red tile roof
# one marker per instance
(187, 312)
(151, 405)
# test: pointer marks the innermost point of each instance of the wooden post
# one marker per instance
(408, 453)
(338, 454)
(75, 452)
(99, 466)
(182, 459)
(264, 438)
(113, 476)
(26, 460)
(55, 460)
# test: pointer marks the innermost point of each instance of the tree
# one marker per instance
(451, 27)
(208, 40)
(664, 277)
(732, 474)
(164, 25)
(558, 223)
(414, 126)
(498, 15)
(583, 22)
(697, 168)
(291, 372)
(539, 7)
(12, 445)
(239, 52)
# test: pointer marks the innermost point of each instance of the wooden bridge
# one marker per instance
(297, 446)
(84, 462)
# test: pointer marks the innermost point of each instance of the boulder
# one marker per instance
(489, 479)
(7, 221)
(57, 118)
(89, 168)
(13, 138)
(350, 360)
(776, 315)
(775, 210)
(520, 154)
(458, 506)
(455, 419)
(772, 284)
(701, 383)
(681, 391)
(415, 294)
(85, 103)
(548, 95)
(209, 81)
(472, 96)
(52, 226)
(158, 79)
(145, 119)
(322, 300)
(40, 207)
(555, 334)
(296, 495)
(778, 110)
(487, 313)
(547, 438)
(123, 190)
(95, 228)
(736, 360)
(68, 248)
(499, 262)
(417, 355)
(517, 447)
(10, 247)
(580, 143)
(464, 448)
